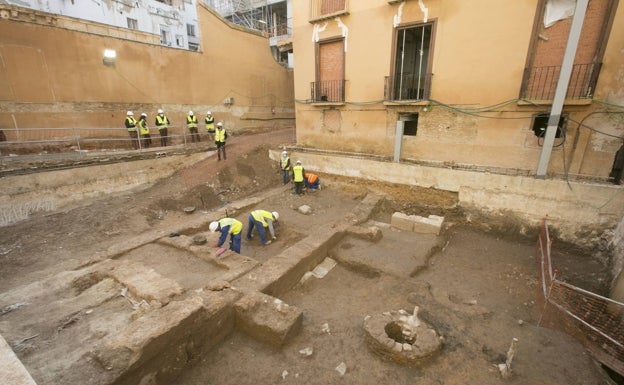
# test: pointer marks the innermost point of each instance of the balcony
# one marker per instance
(326, 9)
(540, 83)
(407, 87)
(329, 91)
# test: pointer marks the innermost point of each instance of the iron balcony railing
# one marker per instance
(328, 91)
(323, 9)
(541, 82)
(407, 87)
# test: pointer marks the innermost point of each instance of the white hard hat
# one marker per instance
(298, 162)
(144, 114)
(284, 153)
(160, 111)
(213, 226)
(208, 113)
(275, 215)
(190, 112)
(129, 113)
(219, 124)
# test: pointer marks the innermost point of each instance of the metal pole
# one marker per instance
(398, 139)
(562, 86)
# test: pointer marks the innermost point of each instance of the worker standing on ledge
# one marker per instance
(131, 125)
(191, 124)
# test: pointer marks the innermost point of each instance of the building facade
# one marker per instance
(461, 84)
(174, 22)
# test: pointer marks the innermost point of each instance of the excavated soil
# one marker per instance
(476, 287)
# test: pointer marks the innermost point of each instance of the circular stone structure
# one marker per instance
(401, 337)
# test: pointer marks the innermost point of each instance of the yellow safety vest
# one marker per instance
(161, 122)
(261, 216)
(235, 226)
(143, 128)
(132, 122)
(220, 135)
(210, 123)
(191, 121)
(286, 163)
(298, 173)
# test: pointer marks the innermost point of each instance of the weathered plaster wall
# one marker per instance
(479, 55)
(55, 77)
(579, 213)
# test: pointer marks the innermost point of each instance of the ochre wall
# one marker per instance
(55, 77)
(479, 55)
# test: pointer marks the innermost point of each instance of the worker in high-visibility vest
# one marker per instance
(191, 124)
(285, 167)
(312, 182)
(146, 138)
(162, 123)
(262, 220)
(210, 125)
(220, 137)
(229, 226)
(131, 125)
(298, 177)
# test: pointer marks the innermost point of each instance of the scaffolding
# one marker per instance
(252, 14)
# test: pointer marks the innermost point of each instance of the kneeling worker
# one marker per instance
(228, 226)
(261, 219)
(312, 181)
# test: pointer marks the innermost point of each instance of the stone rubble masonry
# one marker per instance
(417, 224)
(143, 282)
(267, 318)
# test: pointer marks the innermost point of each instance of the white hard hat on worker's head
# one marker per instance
(219, 124)
(208, 113)
(284, 153)
(129, 113)
(298, 162)
(275, 215)
(144, 114)
(213, 226)
(191, 113)
(160, 111)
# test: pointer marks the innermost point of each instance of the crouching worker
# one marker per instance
(262, 219)
(312, 181)
(228, 226)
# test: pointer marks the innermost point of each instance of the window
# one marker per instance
(547, 50)
(133, 23)
(190, 30)
(180, 40)
(540, 124)
(329, 84)
(410, 124)
(411, 79)
(323, 9)
(165, 36)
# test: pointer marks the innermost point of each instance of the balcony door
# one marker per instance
(411, 63)
(330, 71)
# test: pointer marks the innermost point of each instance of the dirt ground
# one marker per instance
(476, 287)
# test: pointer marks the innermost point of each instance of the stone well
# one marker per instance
(401, 337)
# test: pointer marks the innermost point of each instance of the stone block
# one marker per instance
(267, 318)
(402, 221)
(429, 225)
